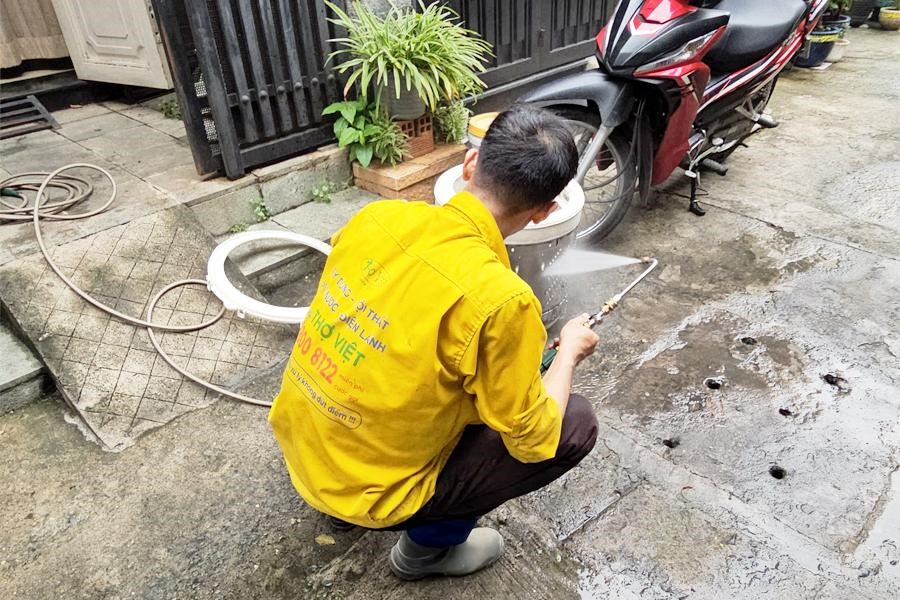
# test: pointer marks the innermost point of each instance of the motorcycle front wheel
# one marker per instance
(610, 183)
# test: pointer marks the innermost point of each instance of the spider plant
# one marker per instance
(425, 51)
(450, 122)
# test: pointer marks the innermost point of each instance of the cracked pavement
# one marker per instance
(787, 292)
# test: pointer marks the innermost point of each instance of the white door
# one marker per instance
(114, 41)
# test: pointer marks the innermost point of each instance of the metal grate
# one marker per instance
(24, 115)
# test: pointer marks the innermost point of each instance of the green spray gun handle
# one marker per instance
(551, 352)
(547, 358)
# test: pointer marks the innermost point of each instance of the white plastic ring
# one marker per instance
(233, 299)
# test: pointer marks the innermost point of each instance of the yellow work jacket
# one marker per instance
(419, 327)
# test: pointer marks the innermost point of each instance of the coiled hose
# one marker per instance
(76, 190)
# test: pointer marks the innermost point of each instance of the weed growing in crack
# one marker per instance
(323, 191)
(260, 210)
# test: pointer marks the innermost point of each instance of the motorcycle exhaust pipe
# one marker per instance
(708, 164)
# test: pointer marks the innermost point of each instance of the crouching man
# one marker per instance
(412, 400)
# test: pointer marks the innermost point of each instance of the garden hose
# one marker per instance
(76, 190)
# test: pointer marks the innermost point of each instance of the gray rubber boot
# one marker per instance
(411, 561)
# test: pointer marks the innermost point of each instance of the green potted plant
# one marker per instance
(411, 59)
(889, 17)
(368, 132)
(837, 17)
(451, 121)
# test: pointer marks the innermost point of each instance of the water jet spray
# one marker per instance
(607, 307)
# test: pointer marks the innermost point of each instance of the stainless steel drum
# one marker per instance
(534, 248)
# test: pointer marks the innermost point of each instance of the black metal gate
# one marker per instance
(530, 36)
(252, 81)
(251, 77)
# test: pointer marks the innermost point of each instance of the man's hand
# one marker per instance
(577, 341)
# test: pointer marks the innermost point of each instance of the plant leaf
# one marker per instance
(339, 126)
(333, 108)
(364, 154)
(348, 136)
(348, 111)
(350, 80)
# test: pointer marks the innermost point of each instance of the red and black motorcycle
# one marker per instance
(679, 84)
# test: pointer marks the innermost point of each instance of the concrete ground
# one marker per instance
(786, 292)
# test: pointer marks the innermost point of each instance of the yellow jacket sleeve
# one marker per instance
(501, 369)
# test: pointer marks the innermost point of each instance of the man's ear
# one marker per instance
(543, 212)
(470, 162)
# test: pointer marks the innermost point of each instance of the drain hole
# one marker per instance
(714, 383)
(784, 412)
(836, 380)
(777, 472)
(750, 341)
(671, 443)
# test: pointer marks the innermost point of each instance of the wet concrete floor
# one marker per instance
(779, 480)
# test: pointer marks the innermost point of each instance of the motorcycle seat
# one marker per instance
(755, 28)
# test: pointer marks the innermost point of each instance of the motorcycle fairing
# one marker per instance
(613, 98)
(641, 41)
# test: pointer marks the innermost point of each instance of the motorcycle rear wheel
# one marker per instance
(611, 182)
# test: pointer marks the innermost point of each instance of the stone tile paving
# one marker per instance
(107, 369)
(45, 151)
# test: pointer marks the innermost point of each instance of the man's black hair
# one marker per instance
(527, 157)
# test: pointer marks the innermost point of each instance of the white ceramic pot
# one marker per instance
(561, 221)
(837, 51)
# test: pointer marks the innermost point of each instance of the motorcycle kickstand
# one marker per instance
(694, 206)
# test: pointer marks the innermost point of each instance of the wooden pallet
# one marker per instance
(24, 115)
(412, 179)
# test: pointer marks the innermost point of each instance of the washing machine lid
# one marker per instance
(233, 299)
